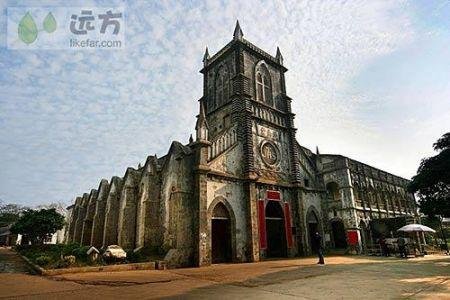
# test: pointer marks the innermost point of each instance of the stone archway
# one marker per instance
(339, 236)
(313, 226)
(275, 230)
(222, 228)
(220, 234)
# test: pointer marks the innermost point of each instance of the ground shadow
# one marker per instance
(366, 277)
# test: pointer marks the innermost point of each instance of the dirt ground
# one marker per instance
(343, 277)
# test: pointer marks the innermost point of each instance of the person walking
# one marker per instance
(384, 246)
(319, 248)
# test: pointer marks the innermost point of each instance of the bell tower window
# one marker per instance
(222, 87)
(263, 84)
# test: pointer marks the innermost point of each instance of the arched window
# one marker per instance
(263, 84)
(222, 87)
(333, 191)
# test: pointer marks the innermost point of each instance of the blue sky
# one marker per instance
(369, 79)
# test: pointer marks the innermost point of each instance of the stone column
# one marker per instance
(112, 213)
(126, 234)
(153, 222)
(99, 217)
(203, 236)
(300, 221)
(73, 219)
(78, 231)
(250, 197)
(141, 211)
(87, 223)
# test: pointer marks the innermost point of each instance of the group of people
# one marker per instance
(401, 242)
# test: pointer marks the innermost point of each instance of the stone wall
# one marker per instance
(88, 220)
(112, 212)
(126, 235)
(82, 208)
(99, 216)
(73, 218)
(178, 207)
(232, 193)
(313, 204)
(148, 227)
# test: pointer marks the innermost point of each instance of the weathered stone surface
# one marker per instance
(112, 212)
(80, 218)
(126, 234)
(72, 222)
(87, 222)
(178, 207)
(99, 216)
(148, 227)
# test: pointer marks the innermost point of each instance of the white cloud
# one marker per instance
(71, 118)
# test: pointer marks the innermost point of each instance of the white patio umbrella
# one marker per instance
(416, 228)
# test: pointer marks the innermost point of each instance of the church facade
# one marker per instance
(243, 189)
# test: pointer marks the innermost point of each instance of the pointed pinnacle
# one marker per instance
(237, 35)
(202, 110)
(278, 56)
(201, 118)
(206, 56)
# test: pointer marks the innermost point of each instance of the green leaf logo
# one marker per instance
(49, 23)
(27, 29)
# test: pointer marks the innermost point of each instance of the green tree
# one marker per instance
(38, 225)
(10, 213)
(432, 182)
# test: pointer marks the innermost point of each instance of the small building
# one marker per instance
(6, 237)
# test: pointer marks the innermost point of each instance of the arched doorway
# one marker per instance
(276, 236)
(313, 227)
(338, 229)
(220, 234)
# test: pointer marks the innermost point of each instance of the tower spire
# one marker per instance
(279, 57)
(206, 57)
(201, 126)
(237, 35)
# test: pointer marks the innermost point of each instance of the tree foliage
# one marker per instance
(38, 225)
(10, 213)
(432, 182)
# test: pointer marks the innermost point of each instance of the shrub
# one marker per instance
(43, 260)
(69, 259)
(80, 253)
(69, 248)
(60, 264)
(135, 256)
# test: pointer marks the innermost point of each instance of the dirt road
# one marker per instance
(343, 277)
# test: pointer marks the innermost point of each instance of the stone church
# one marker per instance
(243, 189)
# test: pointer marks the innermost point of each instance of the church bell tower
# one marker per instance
(244, 88)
